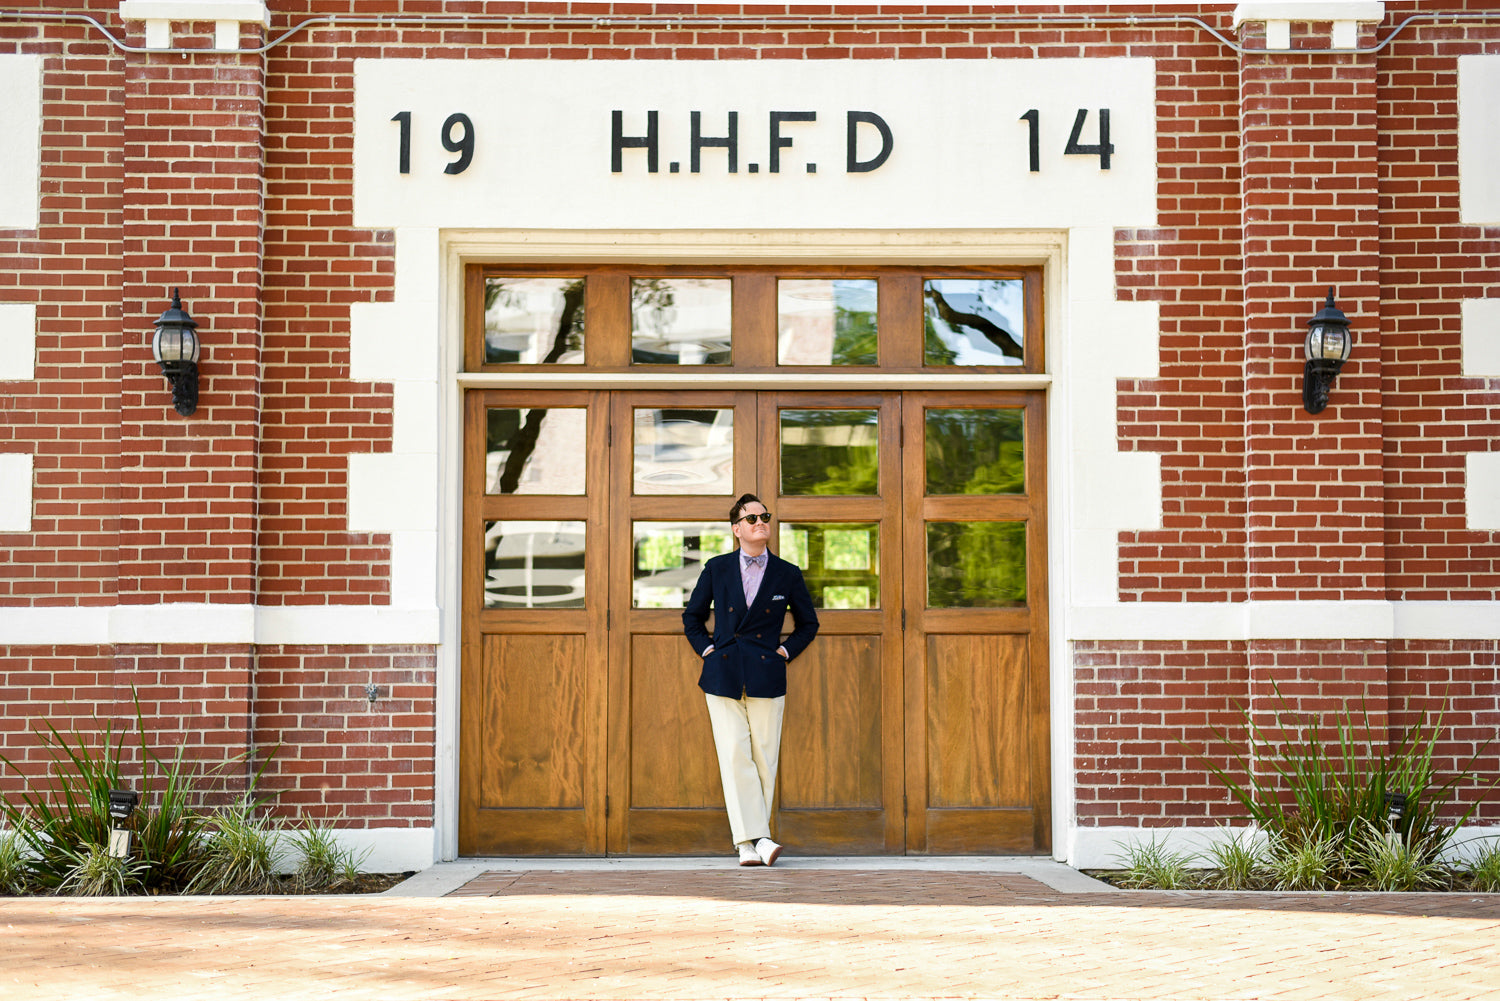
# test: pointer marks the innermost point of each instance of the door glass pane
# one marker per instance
(823, 321)
(830, 452)
(533, 321)
(669, 555)
(976, 564)
(535, 451)
(680, 321)
(840, 562)
(684, 451)
(973, 321)
(533, 564)
(975, 452)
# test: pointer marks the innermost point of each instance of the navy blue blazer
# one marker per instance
(744, 661)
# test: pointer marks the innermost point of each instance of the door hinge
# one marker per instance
(903, 620)
(609, 436)
(606, 806)
(606, 620)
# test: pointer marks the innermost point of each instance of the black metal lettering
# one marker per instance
(403, 159)
(619, 142)
(1035, 119)
(730, 142)
(1103, 148)
(779, 142)
(855, 165)
(463, 147)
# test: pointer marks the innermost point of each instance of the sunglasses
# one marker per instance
(764, 518)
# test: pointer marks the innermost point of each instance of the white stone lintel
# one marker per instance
(227, 16)
(1279, 16)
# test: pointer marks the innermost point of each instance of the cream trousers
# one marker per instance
(747, 735)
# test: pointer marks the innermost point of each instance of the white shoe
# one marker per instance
(748, 855)
(767, 850)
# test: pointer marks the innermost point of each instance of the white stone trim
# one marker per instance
(1479, 335)
(1286, 620)
(103, 625)
(17, 342)
(1478, 140)
(1280, 15)
(16, 476)
(20, 141)
(227, 16)
(1482, 491)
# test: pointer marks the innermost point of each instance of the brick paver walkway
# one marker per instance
(783, 932)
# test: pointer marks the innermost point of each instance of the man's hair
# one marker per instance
(739, 505)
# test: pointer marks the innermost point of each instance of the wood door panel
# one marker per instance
(532, 722)
(672, 763)
(831, 744)
(981, 832)
(977, 725)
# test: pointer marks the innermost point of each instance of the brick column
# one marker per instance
(193, 219)
(1315, 494)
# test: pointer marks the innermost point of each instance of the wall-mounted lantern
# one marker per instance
(1328, 345)
(175, 348)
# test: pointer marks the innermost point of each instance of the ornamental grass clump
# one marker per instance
(14, 874)
(1336, 797)
(1151, 866)
(325, 864)
(97, 873)
(1236, 864)
(1483, 873)
(239, 854)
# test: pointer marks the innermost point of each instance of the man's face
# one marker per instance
(757, 534)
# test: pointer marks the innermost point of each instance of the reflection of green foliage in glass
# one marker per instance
(715, 543)
(659, 551)
(825, 467)
(975, 452)
(846, 549)
(855, 338)
(976, 564)
(840, 561)
(793, 545)
(842, 596)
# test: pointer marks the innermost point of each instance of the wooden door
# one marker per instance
(976, 624)
(677, 463)
(532, 694)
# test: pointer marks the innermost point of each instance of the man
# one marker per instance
(744, 668)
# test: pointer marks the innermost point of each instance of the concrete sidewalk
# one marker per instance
(708, 929)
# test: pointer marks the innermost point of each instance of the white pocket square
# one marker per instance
(779, 597)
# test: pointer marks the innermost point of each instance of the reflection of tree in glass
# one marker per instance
(653, 295)
(523, 443)
(855, 340)
(977, 564)
(975, 452)
(941, 308)
(830, 469)
(841, 565)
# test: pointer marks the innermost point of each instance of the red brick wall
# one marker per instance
(1147, 714)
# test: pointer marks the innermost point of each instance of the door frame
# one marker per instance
(455, 249)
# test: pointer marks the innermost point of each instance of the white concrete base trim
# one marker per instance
(16, 476)
(17, 341)
(445, 877)
(1482, 491)
(390, 849)
(221, 624)
(1106, 847)
(1286, 620)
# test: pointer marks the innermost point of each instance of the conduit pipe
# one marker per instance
(675, 22)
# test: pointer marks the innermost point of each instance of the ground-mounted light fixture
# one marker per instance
(121, 804)
(175, 348)
(1328, 345)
